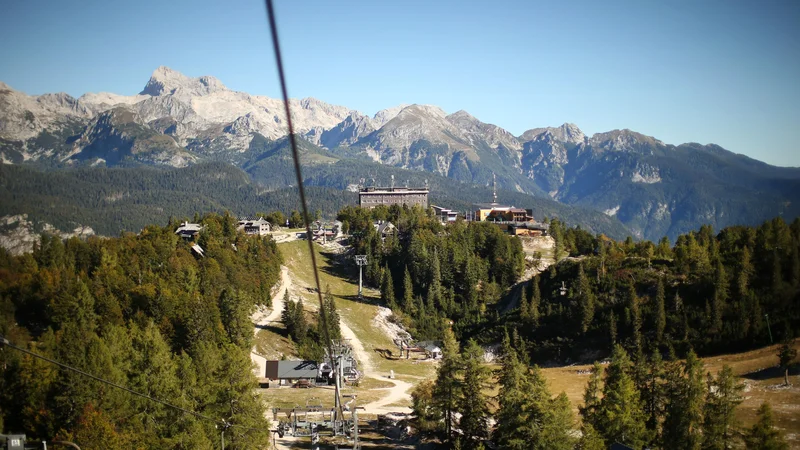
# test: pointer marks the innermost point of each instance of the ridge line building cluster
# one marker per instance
(513, 220)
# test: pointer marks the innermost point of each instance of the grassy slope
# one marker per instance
(357, 315)
(756, 368)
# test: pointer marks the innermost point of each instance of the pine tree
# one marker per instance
(447, 388)
(636, 320)
(473, 404)
(661, 315)
(620, 415)
(683, 420)
(786, 354)
(591, 439)
(330, 319)
(524, 306)
(653, 392)
(409, 306)
(535, 301)
(585, 300)
(763, 435)
(510, 417)
(612, 329)
(300, 322)
(288, 315)
(387, 290)
(724, 394)
(719, 299)
(591, 397)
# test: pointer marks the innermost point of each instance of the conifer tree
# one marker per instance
(612, 328)
(387, 290)
(591, 397)
(620, 415)
(724, 394)
(683, 420)
(524, 306)
(300, 322)
(473, 404)
(786, 354)
(511, 420)
(636, 320)
(331, 318)
(763, 435)
(447, 388)
(660, 312)
(591, 439)
(535, 301)
(409, 306)
(653, 392)
(585, 300)
(719, 299)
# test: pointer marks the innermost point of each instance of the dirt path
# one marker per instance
(261, 318)
(396, 394)
(544, 246)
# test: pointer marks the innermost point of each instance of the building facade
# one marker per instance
(375, 196)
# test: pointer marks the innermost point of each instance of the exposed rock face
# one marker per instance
(19, 234)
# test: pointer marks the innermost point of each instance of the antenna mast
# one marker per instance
(494, 188)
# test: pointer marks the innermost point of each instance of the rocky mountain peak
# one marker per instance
(625, 141)
(385, 115)
(165, 81)
(567, 133)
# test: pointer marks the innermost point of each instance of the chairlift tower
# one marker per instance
(361, 261)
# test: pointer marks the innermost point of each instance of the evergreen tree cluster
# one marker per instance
(146, 312)
(311, 338)
(456, 406)
(428, 272)
(658, 404)
(710, 292)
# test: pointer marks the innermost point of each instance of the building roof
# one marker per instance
(384, 227)
(189, 228)
(277, 370)
(395, 190)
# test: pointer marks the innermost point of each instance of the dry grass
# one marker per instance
(756, 369)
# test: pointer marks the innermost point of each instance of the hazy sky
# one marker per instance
(726, 72)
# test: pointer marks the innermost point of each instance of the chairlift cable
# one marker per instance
(298, 174)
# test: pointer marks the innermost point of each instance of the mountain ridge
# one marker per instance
(176, 120)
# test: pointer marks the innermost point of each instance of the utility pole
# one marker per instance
(361, 260)
(769, 329)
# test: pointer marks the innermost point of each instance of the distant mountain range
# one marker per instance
(654, 189)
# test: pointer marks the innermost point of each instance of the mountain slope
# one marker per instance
(654, 188)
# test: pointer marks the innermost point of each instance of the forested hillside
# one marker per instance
(145, 312)
(711, 292)
(428, 273)
(116, 200)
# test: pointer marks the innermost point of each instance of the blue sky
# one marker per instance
(724, 72)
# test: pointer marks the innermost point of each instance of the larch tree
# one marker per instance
(722, 398)
(686, 391)
(660, 312)
(447, 389)
(473, 403)
(763, 435)
(620, 414)
(586, 299)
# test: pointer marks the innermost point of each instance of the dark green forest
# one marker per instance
(111, 200)
(428, 272)
(128, 199)
(146, 312)
(711, 292)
